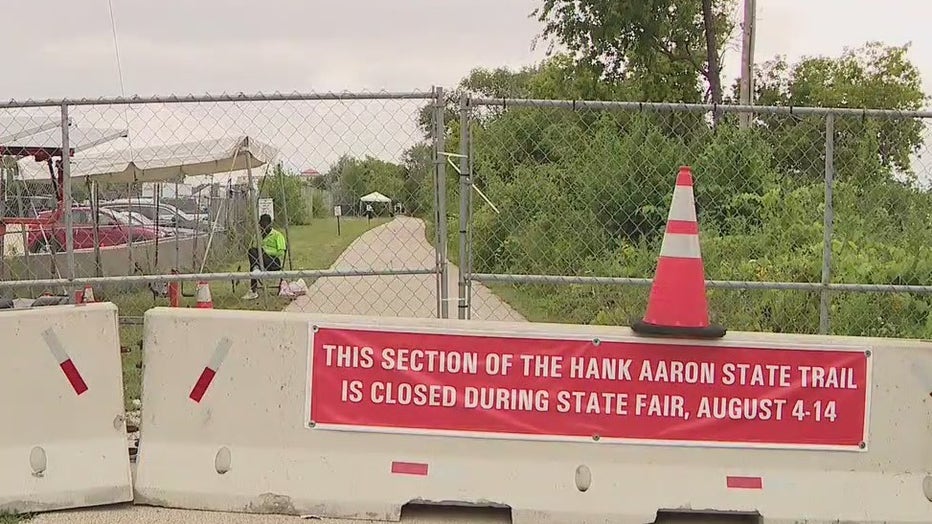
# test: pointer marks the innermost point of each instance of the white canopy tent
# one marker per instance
(166, 163)
(163, 164)
(375, 196)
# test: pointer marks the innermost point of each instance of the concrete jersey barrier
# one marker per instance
(63, 444)
(354, 417)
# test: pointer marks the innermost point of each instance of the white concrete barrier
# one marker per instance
(354, 417)
(63, 442)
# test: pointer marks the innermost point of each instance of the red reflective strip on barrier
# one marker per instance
(64, 361)
(409, 468)
(197, 393)
(744, 483)
(210, 370)
(71, 372)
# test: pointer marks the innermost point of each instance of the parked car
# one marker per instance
(164, 206)
(166, 215)
(135, 218)
(112, 231)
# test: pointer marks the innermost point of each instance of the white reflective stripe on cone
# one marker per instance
(684, 204)
(678, 245)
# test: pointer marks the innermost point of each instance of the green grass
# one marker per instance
(524, 302)
(314, 246)
(10, 518)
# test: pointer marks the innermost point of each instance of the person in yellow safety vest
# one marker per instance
(273, 253)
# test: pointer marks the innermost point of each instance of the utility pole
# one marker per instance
(746, 87)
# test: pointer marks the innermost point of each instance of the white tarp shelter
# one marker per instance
(376, 197)
(17, 128)
(23, 138)
(168, 163)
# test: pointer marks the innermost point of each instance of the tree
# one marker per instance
(287, 191)
(418, 190)
(668, 46)
(557, 77)
(872, 76)
(491, 83)
(343, 180)
(351, 178)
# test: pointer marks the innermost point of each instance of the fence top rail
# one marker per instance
(236, 97)
(210, 277)
(695, 108)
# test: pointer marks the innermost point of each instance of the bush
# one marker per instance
(288, 193)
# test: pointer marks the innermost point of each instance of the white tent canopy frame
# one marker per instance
(15, 129)
(167, 163)
(175, 162)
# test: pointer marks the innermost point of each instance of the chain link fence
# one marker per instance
(811, 220)
(140, 197)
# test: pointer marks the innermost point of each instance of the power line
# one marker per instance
(116, 48)
(119, 64)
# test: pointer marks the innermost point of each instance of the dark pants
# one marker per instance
(269, 263)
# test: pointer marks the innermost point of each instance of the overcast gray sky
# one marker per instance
(64, 48)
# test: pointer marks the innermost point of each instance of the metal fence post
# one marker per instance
(465, 181)
(825, 299)
(254, 210)
(440, 162)
(471, 145)
(66, 191)
(435, 209)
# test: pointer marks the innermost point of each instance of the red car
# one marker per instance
(112, 231)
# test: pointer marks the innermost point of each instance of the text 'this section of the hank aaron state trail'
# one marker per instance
(501, 386)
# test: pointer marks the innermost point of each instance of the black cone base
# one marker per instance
(645, 328)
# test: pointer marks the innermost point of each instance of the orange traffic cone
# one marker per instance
(203, 296)
(677, 305)
(174, 292)
(84, 296)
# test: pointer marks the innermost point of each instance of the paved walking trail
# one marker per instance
(399, 244)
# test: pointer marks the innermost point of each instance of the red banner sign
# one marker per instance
(557, 388)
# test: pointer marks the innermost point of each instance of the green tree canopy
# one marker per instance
(873, 76)
(668, 46)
